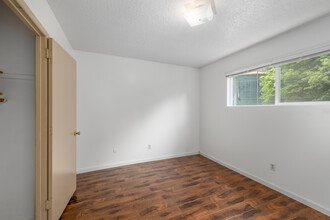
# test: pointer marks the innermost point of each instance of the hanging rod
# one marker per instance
(16, 76)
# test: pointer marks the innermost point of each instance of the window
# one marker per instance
(306, 80)
(254, 88)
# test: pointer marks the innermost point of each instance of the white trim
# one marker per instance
(118, 164)
(250, 106)
(324, 103)
(277, 85)
(292, 195)
(319, 103)
(230, 91)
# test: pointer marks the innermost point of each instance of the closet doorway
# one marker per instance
(33, 75)
(17, 117)
(54, 104)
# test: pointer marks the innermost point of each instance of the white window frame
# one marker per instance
(230, 100)
(277, 84)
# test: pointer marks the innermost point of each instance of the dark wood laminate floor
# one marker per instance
(191, 187)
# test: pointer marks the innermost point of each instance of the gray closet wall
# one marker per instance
(17, 118)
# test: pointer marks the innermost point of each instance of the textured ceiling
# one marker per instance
(156, 29)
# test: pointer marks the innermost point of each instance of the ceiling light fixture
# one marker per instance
(199, 11)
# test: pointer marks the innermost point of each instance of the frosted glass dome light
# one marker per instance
(198, 12)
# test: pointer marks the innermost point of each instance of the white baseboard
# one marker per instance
(294, 196)
(111, 165)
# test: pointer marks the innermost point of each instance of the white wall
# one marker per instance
(46, 17)
(248, 139)
(16, 119)
(129, 104)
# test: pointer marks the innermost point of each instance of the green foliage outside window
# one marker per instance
(302, 81)
(267, 86)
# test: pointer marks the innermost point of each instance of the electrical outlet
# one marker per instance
(114, 150)
(272, 167)
(149, 147)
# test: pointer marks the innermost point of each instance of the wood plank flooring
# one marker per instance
(191, 187)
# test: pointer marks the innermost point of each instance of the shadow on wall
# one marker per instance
(128, 132)
(161, 124)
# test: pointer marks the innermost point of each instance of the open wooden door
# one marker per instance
(62, 127)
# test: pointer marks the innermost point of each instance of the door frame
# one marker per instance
(41, 203)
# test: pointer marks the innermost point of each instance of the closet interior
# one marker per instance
(17, 117)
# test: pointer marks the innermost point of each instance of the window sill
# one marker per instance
(303, 103)
(327, 103)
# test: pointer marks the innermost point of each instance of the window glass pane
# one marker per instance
(306, 81)
(254, 88)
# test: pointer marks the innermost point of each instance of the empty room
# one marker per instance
(164, 109)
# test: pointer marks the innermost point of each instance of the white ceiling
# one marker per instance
(156, 29)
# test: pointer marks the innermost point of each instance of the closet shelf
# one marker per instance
(16, 76)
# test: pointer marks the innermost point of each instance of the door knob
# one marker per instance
(76, 133)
